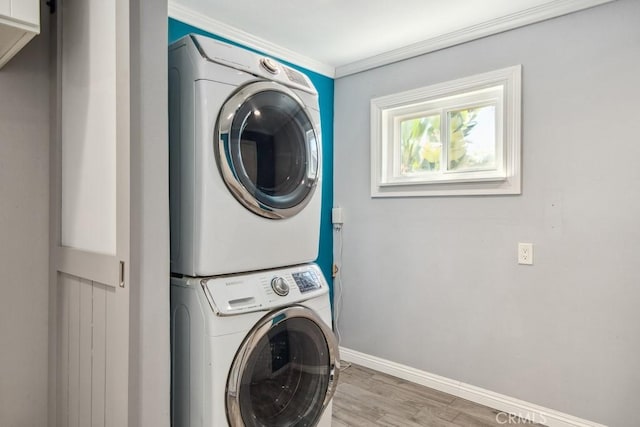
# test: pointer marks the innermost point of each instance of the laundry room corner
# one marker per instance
(325, 88)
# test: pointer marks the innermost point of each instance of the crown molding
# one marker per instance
(191, 17)
(529, 16)
(532, 15)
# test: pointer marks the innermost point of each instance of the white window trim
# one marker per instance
(381, 132)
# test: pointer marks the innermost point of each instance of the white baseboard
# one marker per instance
(510, 405)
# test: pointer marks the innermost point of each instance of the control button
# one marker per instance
(280, 286)
(270, 65)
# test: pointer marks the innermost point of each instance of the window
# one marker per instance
(455, 138)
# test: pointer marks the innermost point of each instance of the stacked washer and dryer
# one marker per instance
(251, 342)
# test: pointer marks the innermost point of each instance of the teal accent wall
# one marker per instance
(324, 85)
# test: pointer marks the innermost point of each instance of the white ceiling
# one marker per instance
(339, 37)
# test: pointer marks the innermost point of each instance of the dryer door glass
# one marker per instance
(268, 150)
(287, 376)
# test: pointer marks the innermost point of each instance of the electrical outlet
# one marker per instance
(525, 253)
(337, 216)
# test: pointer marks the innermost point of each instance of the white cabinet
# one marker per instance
(19, 23)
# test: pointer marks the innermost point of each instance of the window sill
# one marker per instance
(506, 186)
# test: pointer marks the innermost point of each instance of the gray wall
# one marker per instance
(433, 282)
(24, 234)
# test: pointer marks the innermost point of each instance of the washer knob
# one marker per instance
(270, 65)
(280, 286)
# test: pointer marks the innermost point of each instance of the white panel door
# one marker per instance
(26, 10)
(5, 7)
(91, 215)
(89, 126)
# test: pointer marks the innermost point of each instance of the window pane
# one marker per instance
(472, 139)
(421, 146)
(88, 123)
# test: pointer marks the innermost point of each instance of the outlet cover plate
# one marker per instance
(525, 253)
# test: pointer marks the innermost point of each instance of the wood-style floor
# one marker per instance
(369, 398)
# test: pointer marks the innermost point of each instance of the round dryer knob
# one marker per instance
(270, 65)
(280, 286)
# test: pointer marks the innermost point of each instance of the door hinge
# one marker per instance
(122, 274)
(52, 6)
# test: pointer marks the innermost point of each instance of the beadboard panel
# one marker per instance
(82, 351)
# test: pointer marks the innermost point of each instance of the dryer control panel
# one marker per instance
(244, 60)
(264, 290)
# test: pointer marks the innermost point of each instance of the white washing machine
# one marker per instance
(253, 350)
(245, 160)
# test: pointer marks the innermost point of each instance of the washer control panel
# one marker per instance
(264, 290)
(307, 281)
(280, 286)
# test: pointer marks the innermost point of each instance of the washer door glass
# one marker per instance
(267, 150)
(285, 372)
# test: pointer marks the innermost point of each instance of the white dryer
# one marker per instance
(245, 160)
(253, 350)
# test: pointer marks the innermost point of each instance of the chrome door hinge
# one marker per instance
(52, 6)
